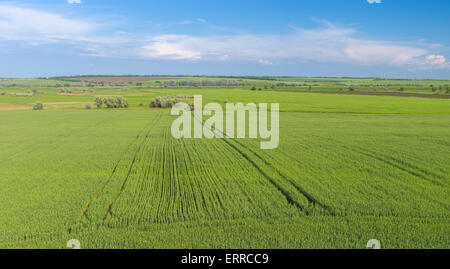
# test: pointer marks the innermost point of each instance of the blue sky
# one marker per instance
(386, 38)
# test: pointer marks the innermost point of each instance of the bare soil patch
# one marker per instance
(64, 104)
(14, 107)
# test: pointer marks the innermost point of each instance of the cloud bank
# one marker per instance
(326, 45)
(329, 44)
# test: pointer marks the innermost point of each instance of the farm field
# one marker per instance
(348, 168)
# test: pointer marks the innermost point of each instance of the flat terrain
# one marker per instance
(349, 168)
(118, 79)
(397, 94)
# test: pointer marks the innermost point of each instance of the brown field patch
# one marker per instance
(13, 107)
(53, 105)
(117, 79)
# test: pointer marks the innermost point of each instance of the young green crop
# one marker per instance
(117, 179)
(348, 168)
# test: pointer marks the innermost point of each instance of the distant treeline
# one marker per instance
(203, 83)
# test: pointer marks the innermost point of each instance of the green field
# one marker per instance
(348, 169)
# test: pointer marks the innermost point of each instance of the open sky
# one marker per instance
(364, 38)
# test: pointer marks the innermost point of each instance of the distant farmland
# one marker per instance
(118, 79)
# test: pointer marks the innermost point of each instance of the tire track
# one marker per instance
(141, 145)
(108, 179)
(401, 165)
(285, 193)
(308, 196)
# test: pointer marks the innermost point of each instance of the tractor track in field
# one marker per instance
(105, 183)
(285, 193)
(122, 187)
(401, 165)
(385, 160)
(271, 180)
(308, 196)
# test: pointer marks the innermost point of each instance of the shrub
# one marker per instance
(153, 104)
(253, 89)
(88, 106)
(168, 101)
(140, 104)
(98, 102)
(109, 102)
(112, 102)
(164, 103)
(38, 106)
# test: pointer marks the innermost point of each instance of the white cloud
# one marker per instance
(430, 62)
(74, 1)
(173, 47)
(36, 27)
(436, 59)
(326, 45)
(374, 1)
(264, 62)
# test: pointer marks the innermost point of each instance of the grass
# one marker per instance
(290, 101)
(351, 169)
(329, 184)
